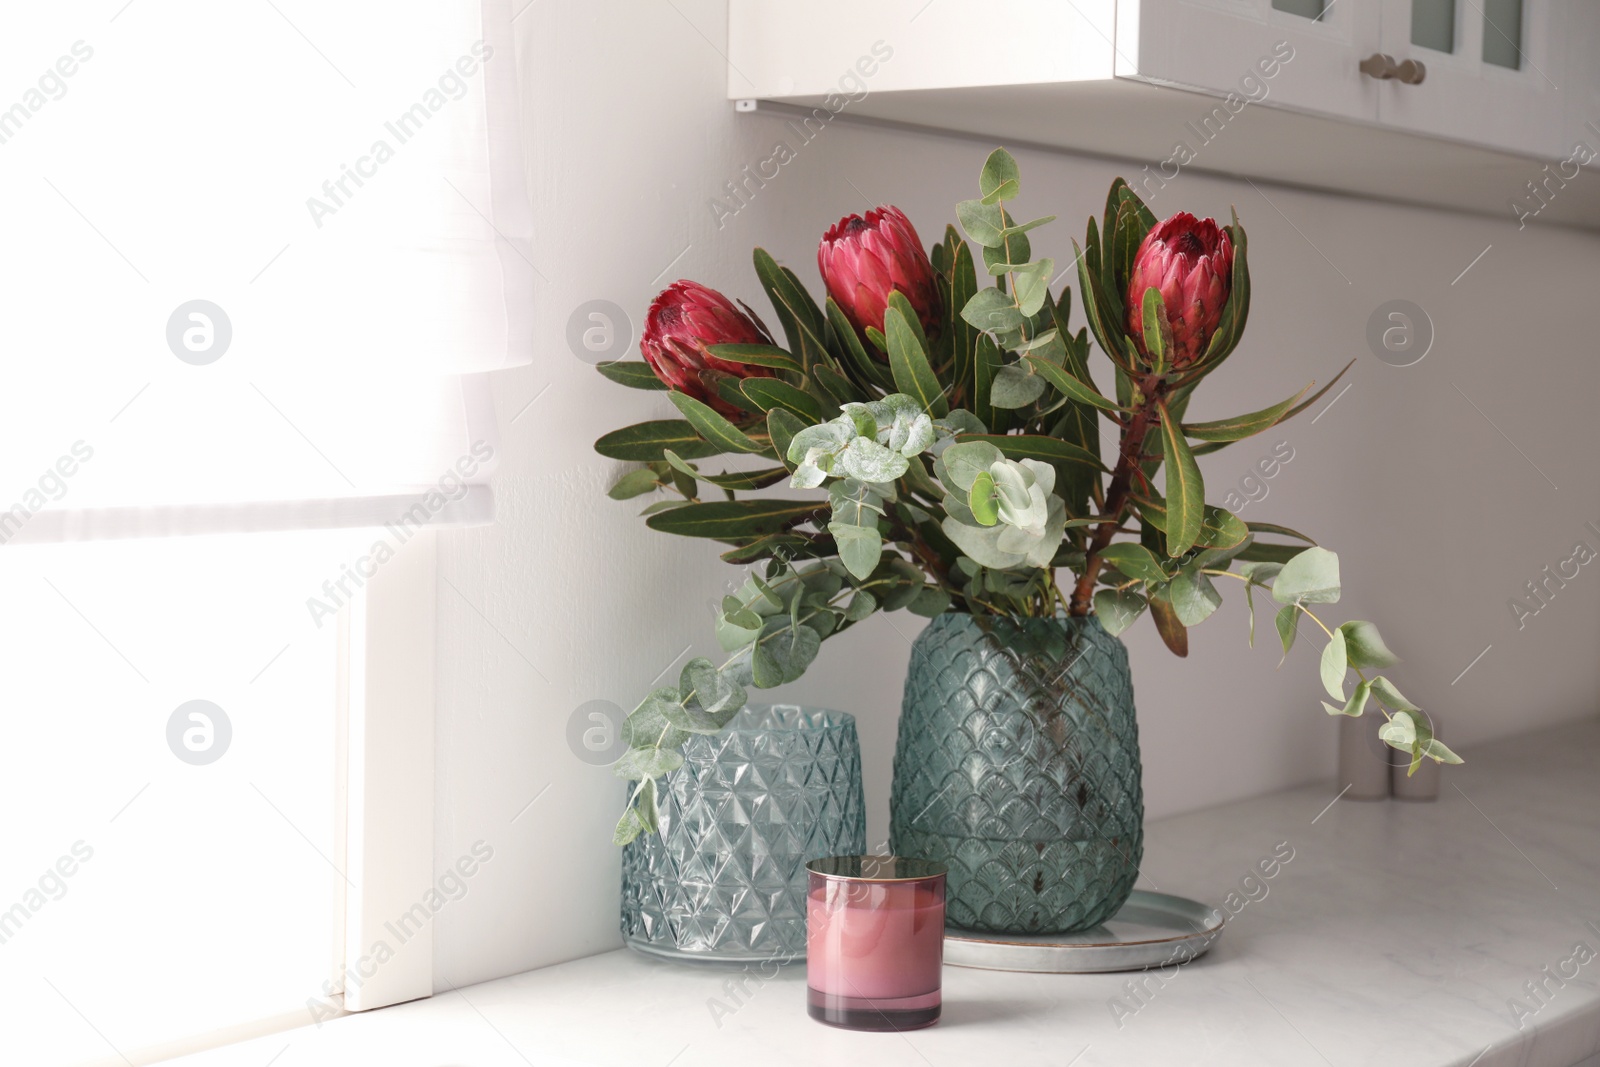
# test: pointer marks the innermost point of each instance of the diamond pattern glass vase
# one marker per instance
(1018, 766)
(724, 878)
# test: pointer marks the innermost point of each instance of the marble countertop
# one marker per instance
(1462, 932)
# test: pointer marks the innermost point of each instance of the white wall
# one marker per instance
(1439, 518)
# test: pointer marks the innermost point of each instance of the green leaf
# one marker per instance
(1000, 179)
(1261, 552)
(860, 547)
(1134, 560)
(1435, 749)
(863, 366)
(712, 426)
(1282, 531)
(803, 324)
(644, 441)
(1035, 446)
(1242, 426)
(1126, 223)
(1220, 529)
(1097, 306)
(634, 483)
(756, 355)
(769, 393)
(1118, 609)
(855, 503)
(1311, 577)
(1009, 256)
(748, 480)
(647, 726)
(1068, 385)
(1334, 665)
(1014, 387)
(841, 389)
(1357, 702)
(647, 763)
(782, 425)
(634, 373)
(908, 361)
(1173, 633)
(963, 461)
(1186, 494)
(1237, 310)
(710, 697)
(1260, 573)
(930, 602)
(1193, 597)
(783, 654)
(1366, 647)
(629, 827)
(993, 310)
(862, 604)
(963, 283)
(986, 363)
(1399, 732)
(1033, 285)
(1024, 227)
(1157, 331)
(724, 519)
(984, 223)
(1385, 691)
(646, 805)
(982, 499)
(1287, 622)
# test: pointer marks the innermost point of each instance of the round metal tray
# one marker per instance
(1150, 930)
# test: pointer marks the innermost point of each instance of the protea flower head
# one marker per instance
(864, 259)
(683, 320)
(1190, 261)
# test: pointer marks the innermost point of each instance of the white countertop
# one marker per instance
(1397, 934)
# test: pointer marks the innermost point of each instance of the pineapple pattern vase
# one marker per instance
(1017, 765)
(725, 876)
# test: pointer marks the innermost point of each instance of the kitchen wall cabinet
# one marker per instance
(1481, 94)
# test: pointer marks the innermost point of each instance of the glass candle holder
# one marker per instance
(874, 941)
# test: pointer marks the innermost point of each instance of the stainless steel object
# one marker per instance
(1150, 930)
(1385, 67)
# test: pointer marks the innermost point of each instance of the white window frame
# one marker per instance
(388, 712)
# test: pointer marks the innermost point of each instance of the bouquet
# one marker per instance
(943, 403)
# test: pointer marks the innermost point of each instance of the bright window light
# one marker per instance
(170, 869)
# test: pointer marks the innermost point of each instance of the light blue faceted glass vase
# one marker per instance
(724, 878)
(1018, 767)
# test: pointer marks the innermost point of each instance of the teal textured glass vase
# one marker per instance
(725, 877)
(1018, 766)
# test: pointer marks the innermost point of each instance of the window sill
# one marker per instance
(410, 510)
(1385, 904)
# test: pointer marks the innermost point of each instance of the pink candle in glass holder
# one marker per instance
(874, 941)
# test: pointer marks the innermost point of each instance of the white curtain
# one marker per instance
(255, 260)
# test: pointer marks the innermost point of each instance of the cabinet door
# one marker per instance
(1313, 49)
(1494, 71)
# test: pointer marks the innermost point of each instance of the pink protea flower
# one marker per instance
(863, 260)
(684, 319)
(1190, 261)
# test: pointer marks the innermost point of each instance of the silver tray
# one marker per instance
(1150, 930)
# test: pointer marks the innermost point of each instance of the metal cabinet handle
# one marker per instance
(1385, 67)
(1410, 72)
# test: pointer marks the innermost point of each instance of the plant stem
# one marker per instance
(1145, 417)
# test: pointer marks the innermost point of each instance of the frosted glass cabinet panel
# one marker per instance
(1433, 24)
(1491, 68)
(1312, 47)
(1493, 71)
